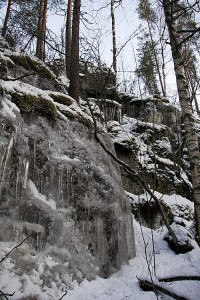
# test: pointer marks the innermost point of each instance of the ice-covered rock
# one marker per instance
(57, 185)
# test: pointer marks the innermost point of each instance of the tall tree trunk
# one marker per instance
(156, 60)
(184, 98)
(5, 24)
(39, 32)
(68, 38)
(114, 39)
(191, 76)
(44, 24)
(74, 64)
(40, 48)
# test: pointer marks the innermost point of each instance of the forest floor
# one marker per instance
(124, 284)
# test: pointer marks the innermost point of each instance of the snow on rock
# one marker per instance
(153, 150)
(150, 255)
(60, 187)
(176, 208)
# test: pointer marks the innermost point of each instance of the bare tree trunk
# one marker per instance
(114, 39)
(195, 100)
(39, 31)
(5, 24)
(44, 24)
(40, 48)
(191, 77)
(74, 64)
(68, 38)
(156, 61)
(189, 123)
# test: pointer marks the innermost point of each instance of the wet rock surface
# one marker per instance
(63, 189)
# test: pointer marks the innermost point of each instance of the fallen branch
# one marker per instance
(135, 175)
(179, 278)
(4, 258)
(18, 78)
(63, 295)
(149, 286)
(5, 295)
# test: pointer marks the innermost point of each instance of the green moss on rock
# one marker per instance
(85, 121)
(80, 118)
(30, 64)
(4, 64)
(31, 103)
(62, 99)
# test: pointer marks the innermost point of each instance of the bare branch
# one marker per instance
(179, 278)
(6, 256)
(63, 295)
(189, 36)
(18, 78)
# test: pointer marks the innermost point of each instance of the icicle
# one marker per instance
(38, 241)
(60, 185)
(113, 110)
(26, 174)
(16, 186)
(34, 154)
(119, 115)
(69, 190)
(5, 162)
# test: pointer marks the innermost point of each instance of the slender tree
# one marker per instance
(39, 45)
(41, 32)
(112, 2)
(74, 63)
(146, 68)
(68, 38)
(5, 24)
(20, 22)
(176, 41)
(147, 13)
(190, 66)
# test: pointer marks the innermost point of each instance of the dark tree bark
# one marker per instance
(44, 24)
(5, 24)
(114, 39)
(74, 64)
(39, 31)
(68, 38)
(186, 107)
(40, 47)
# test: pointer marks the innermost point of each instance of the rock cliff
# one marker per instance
(57, 185)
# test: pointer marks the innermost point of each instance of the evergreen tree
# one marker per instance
(21, 21)
(146, 69)
(147, 13)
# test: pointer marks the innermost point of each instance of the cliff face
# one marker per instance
(58, 187)
(151, 140)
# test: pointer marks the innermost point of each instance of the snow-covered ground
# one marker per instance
(121, 285)
(124, 284)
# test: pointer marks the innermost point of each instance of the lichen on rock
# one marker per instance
(38, 104)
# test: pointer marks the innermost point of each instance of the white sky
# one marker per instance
(127, 23)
